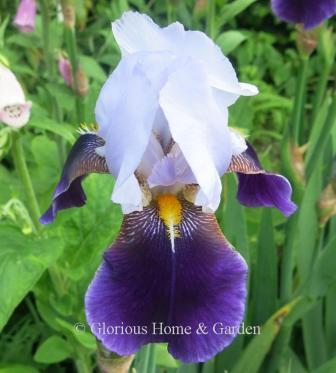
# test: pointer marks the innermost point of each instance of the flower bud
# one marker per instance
(69, 13)
(82, 82)
(65, 70)
(327, 204)
(307, 40)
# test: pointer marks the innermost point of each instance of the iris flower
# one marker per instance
(310, 13)
(25, 16)
(14, 109)
(163, 135)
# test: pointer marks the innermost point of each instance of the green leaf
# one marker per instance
(265, 271)
(230, 40)
(233, 221)
(323, 275)
(53, 350)
(78, 330)
(23, 259)
(256, 351)
(328, 367)
(163, 357)
(92, 69)
(64, 130)
(232, 9)
(16, 368)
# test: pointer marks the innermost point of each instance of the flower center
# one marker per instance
(170, 212)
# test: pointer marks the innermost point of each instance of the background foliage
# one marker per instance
(292, 283)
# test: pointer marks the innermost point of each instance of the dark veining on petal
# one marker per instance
(141, 281)
(81, 161)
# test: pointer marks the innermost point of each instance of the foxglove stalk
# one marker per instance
(25, 16)
(310, 13)
(163, 134)
(14, 109)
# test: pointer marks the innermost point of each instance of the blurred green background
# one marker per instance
(292, 282)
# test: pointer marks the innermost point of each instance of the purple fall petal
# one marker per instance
(310, 13)
(25, 16)
(264, 189)
(73, 196)
(142, 281)
(82, 160)
(257, 188)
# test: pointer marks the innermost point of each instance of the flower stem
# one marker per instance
(22, 169)
(46, 37)
(70, 39)
(320, 91)
(299, 99)
(322, 140)
(210, 22)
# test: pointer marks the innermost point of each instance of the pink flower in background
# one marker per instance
(25, 16)
(65, 70)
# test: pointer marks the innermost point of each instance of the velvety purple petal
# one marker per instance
(82, 160)
(73, 197)
(264, 189)
(143, 281)
(308, 12)
(257, 188)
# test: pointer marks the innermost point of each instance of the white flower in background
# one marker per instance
(14, 109)
(163, 112)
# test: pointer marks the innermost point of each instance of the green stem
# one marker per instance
(50, 67)
(299, 99)
(46, 38)
(320, 90)
(211, 18)
(70, 39)
(322, 139)
(22, 169)
(287, 265)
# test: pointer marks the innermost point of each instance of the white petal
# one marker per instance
(11, 92)
(111, 91)
(218, 68)
(16, 116)
(152, 155)
(248, 89)
(125, 112)
(171, 169)
(129, 195)
(136, 32)
(199, 127)
(238, 142)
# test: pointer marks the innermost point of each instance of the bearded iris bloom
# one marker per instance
(163, 134)
(310, 13)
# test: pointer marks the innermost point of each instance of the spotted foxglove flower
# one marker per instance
(310, 13)
(14, 109)
(25, 16)
(163, 134)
